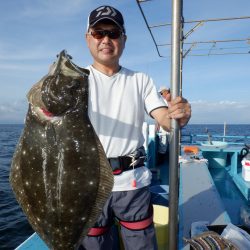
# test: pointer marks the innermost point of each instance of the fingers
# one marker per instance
(175, 101)
(178, 105)
(179, 108)
(179, 99)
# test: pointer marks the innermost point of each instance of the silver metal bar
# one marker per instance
(218, 19)
(222, 54)
(174, 133)
(187, 51)
(203, 20)
(193, 29)
(218, 48)
(142, 1)
(212, 47)
(211, 41)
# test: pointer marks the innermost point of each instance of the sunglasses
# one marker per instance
(112, 34)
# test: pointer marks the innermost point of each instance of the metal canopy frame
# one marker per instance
(239, 46)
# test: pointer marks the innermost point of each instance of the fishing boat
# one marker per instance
(212, 187)
(199, 181)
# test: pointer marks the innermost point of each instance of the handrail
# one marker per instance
(230, 139)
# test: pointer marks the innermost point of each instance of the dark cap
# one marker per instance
(106, 12)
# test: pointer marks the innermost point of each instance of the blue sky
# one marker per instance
(218, 87)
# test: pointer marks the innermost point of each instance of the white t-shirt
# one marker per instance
(117, 105)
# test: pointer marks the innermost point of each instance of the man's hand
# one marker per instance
(179, 109)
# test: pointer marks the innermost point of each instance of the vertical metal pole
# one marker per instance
(174, 136)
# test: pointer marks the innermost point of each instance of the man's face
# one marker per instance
(105, 50)
(165, 93)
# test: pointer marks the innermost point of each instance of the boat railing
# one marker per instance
(230, 139)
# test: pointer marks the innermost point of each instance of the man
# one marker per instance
(163, 134)
(165, 93)
(118, 98)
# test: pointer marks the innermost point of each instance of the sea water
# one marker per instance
(14, 227)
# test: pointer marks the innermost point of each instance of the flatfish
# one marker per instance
(60, 174)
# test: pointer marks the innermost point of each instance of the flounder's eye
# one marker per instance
(73, 84)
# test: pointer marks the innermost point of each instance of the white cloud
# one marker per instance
(203, 112)
(13, 112)
(218, 112)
